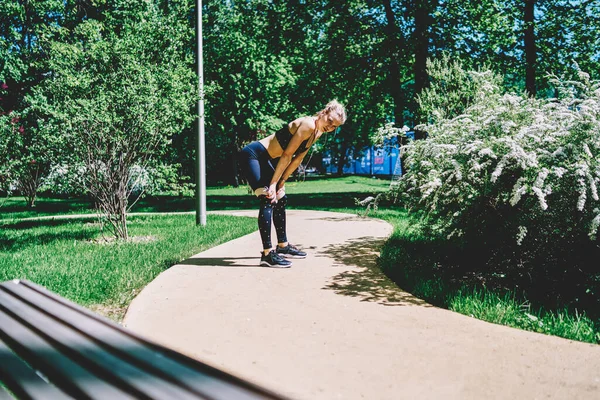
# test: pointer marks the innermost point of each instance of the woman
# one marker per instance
(269, 162)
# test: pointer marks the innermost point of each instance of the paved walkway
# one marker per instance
(331, 327)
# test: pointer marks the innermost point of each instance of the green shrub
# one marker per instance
(512, 181)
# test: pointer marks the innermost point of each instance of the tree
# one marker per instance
(566, 32)
(422, 16)
(397, 47)
(482, 33)
(118, 91)
(248, 84)
(353, 51)
(23, 27)
(7, 131)
(530, 48)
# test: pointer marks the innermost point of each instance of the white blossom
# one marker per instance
(487, 152)
(539, 147)
(430, 186)
(519, 189)
(541, 197)
(558, 171)
(521, 234)
(595, 224)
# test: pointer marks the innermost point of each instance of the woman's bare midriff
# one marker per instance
(272, 145)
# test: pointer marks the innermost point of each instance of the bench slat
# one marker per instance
(111, 337)
(89, 355)
(59, 369)
(201, 378)
(4, 395)
(22, 380)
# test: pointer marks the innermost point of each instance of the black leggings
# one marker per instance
(258, 168)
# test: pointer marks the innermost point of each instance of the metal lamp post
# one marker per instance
(200, 150)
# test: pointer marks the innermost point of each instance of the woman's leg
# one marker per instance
(284, 248)
(265, 215)
(255, 165)
(279, 220)
(250, 166)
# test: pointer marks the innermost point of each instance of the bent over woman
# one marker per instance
(267, 164)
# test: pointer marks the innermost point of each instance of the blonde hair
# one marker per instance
(334, 109)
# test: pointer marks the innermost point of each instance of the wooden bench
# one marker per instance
(51, 348)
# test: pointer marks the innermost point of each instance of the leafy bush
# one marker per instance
(7, 131)
(514, 181)
(120, 89)
(454, 89)
(67, 180)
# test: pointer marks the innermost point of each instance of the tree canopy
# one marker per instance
(266, 62)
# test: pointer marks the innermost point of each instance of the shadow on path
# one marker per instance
(365, 280)
(222, 262)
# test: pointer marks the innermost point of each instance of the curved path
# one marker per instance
(331, 327)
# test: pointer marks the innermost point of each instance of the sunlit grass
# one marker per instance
(506, 310)
(70, 258)
(331, 192)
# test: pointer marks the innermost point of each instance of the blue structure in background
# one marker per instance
(370, 160)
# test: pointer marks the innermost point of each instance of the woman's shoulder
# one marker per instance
(304, 125)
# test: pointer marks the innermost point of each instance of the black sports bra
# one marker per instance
(284, 136)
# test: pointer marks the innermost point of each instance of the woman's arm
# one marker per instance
(290, 169)
(303, 132)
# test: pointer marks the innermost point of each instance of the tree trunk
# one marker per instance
(234, 161)
(110, 189)
(342, 159)
(395, 46)
(530, 48)
(28, 184)
(123, 222)
(421, 41)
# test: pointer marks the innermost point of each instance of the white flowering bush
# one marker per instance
(387, 132)
(515, 178)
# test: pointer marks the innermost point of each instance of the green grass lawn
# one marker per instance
(328, 193)
(67, 257)
(15, 207)
(71, 258)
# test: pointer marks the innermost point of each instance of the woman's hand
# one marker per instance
(280, 190)
(272, 192)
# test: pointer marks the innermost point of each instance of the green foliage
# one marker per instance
(267, 62)
(118, 91)
(566, 31)
(270, 61)
(165, 179)
(513, 180)
(65, 180)
(490, 32)
(7, 131)
(248, 84)
(25, 147)
(453, 88)
(487, 32)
